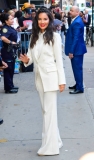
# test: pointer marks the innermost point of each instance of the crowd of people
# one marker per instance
(49, 27)
(17, 21)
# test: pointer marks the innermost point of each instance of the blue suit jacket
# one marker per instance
(74, 42)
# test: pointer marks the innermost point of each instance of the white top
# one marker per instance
(0, 23)
(15, 24)
(74, 19)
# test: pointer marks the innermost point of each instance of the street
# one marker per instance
(20, 134)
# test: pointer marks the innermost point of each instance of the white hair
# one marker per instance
(76, 8)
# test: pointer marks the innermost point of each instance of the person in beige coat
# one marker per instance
(45, 52)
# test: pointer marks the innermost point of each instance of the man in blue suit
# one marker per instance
(75, 48)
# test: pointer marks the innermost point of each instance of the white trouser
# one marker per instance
(51, 141)
(84, 33)
(63, 38)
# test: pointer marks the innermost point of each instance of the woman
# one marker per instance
(33, 6)
(12, 13)
(15, 24)
(8, 37)
(46, 53)
(63, 29)
(82, 15)
(69, 19)
(18, 14)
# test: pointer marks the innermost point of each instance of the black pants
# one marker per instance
(8, 75)
(87, 29)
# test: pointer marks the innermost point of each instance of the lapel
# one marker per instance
(69, 29)
(74, 20)
(39, 47)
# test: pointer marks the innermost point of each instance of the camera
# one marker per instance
(15, 49)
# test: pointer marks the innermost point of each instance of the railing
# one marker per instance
(24, 38)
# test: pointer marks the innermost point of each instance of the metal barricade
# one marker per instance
(24, 38)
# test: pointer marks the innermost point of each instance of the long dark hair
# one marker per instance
(4, 17)
(48, 35)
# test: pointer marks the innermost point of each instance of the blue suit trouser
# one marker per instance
(77, 67)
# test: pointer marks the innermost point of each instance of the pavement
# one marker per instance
(20, 134)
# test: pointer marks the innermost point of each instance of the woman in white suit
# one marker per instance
(46, 53)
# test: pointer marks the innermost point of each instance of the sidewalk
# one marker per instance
(20, 134)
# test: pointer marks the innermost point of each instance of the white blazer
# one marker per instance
(48, 62)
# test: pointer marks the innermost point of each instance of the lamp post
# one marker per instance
(17, 4)
(61, 4)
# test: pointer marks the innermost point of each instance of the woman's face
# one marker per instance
(43, 21)
(10, 21)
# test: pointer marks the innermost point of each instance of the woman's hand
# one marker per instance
(18, 29)
(24, 58)
(61, 87)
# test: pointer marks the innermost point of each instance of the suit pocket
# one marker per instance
(51, 69)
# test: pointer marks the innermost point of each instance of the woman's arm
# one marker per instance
(6, 40)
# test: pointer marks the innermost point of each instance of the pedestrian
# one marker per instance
(8, 37)
(15, 23)
(14, 8)
(18, 14)
(26, 5)
(82, 15)
(25, 23)
(69, 19)
(75, 48)
(88, 21)
(63, 29)
(45, 51)
(33, 6)
(33, 14)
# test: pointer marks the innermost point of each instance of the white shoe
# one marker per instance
(61, 145)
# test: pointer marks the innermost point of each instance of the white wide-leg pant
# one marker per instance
(51, 141)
